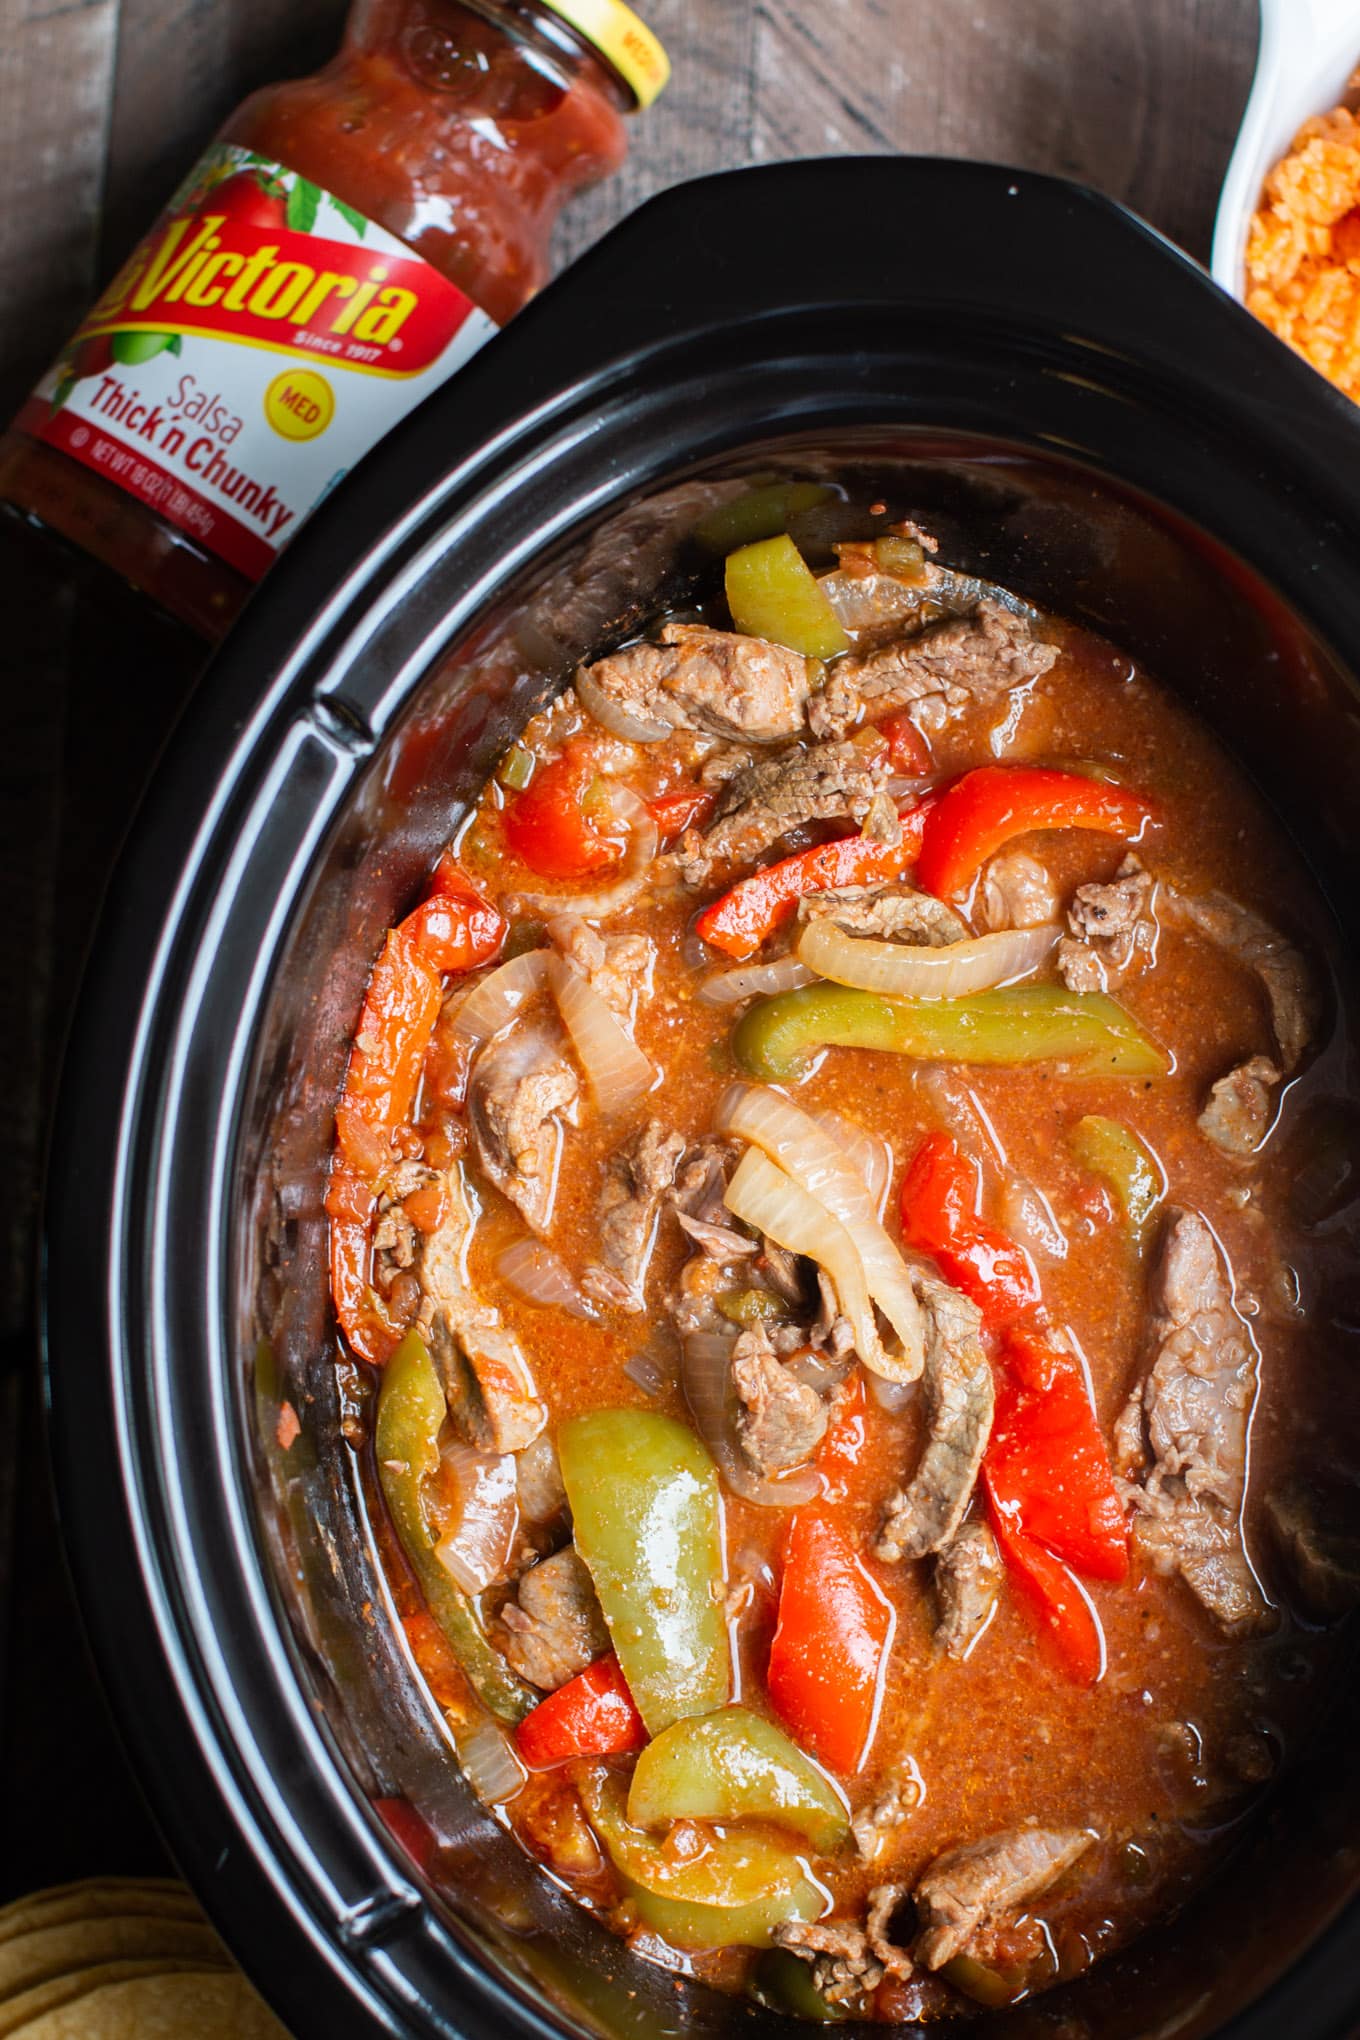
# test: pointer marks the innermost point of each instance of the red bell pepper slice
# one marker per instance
(939, 1218)
(351, 1208)
(561, 825)
(1048, 1472)
(399, 1011)
(1060, 1602)
(986, 808)
(591, 1716)
(830, 1646)
(684, 807)
(842, 1447)
(749, 914)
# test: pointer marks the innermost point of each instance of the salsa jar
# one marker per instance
(343, 247)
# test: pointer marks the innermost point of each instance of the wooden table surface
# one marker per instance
(103, 103)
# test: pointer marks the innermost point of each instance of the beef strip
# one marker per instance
(637, 1178)
(924, 1516)
(618, 967)
(967, 1581)
(1112, 928)
(554, 1626)
(1241, 1107)
(975, 1886)
(714, 680)
(1181, 1442)
(1322, 1556)
(935, 673)
(487, 1380)
(697, 1199)
(892, 913)
(781, 1421)
(876, 1825)
(520, 1082)
(849, 1961)
(761, 803)
(874, 603)
(1016, 892)
(1280, 967)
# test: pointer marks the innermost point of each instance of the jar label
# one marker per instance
(260, 339)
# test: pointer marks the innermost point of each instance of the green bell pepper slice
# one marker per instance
(1114, 1151)
(1017, 1024)
(648, 1526)
(411, 1413)
(763, 512)
(733, 1885)
(783, 1982)
(773, 593)
(698, 1927)
(734, 1765)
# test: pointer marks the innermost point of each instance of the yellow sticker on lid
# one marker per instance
(624, 39)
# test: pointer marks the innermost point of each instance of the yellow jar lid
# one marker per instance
(622, 37)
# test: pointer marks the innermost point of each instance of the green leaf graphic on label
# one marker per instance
(303, 200)
(130, 349)
(62, 391)
(175, 344)
(348, 213)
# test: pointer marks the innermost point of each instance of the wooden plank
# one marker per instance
(1140, 98)
(56, 67)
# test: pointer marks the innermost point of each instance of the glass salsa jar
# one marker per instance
(345, 244)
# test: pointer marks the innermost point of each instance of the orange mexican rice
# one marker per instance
(1303, 251)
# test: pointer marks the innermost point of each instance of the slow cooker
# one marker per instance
(1084, 417)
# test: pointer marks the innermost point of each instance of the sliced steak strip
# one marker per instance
(924, 1516)
(849, 1961)
(1262, 949)
(487, 1380)
(1112, 930)
(892, 913)
(936, 673)
(520, 1082)
(554, 1627)
(876, 1825)
(714, 680)
(1181, 1442)
(967, 1582)
(637, 1178)
(977, 1885)
(1322, 1556)
(874, 602)
(1241, 1107)
(618, 967)
(1016, 892)
(781, 1421)
(825, 783)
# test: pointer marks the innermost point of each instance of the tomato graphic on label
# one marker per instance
(247, 201)
(93, 357)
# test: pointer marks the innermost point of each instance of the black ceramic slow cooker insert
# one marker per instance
(1085, 418)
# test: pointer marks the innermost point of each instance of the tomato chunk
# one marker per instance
(591, 1716)
(561, 826)
(939, 1217)
(830, 1644)
(986, 808)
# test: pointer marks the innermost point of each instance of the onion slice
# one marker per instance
(706, 1377)
(501, 997)
(619, 1072)
(804, 1150)
(871, 1154)
(491, 1764)
(541, 1276)
(789, 1215)
(751, 981)
(904, 970)
(475, 1551)
(612, 716)
(644, 840)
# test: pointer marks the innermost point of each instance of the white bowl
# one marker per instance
(1308, 50)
